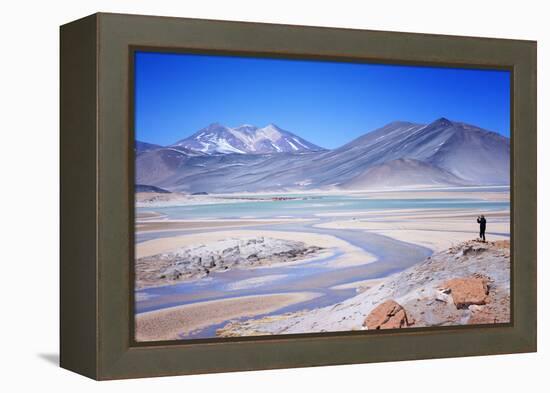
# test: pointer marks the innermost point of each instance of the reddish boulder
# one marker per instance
(388, 315)
(468, 291)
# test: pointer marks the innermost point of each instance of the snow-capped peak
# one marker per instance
(246, 139)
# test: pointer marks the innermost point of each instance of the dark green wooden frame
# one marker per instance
(97, 198)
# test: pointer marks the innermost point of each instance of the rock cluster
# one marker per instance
(468, 283)
(199, 261)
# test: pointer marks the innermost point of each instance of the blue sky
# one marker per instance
(327, 103)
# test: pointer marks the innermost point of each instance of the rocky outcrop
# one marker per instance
(199, 261)
(388, 315)
(467, 291)
(468, 283)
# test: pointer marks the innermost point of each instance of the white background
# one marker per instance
(29, 194)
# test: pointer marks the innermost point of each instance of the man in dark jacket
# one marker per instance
(482, 225)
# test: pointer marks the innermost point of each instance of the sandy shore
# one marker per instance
(490, 193)
(169, 323)
(415, 213)
(434, 229)
(495, 195)
(155, 199)
(352, 255)
(149, 225)
(434, 240)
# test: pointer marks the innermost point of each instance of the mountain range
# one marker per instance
(245, 139)
(219, 159)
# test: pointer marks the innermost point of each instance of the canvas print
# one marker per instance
(289, 196)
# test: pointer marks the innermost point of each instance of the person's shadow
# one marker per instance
(52, 358)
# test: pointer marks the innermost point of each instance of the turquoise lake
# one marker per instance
(309, 206)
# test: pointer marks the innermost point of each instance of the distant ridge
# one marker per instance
(400, 154)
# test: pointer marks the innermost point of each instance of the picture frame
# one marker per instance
(97, 183)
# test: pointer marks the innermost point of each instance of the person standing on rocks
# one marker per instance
(482, 225)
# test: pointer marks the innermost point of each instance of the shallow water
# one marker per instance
(308, 207)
